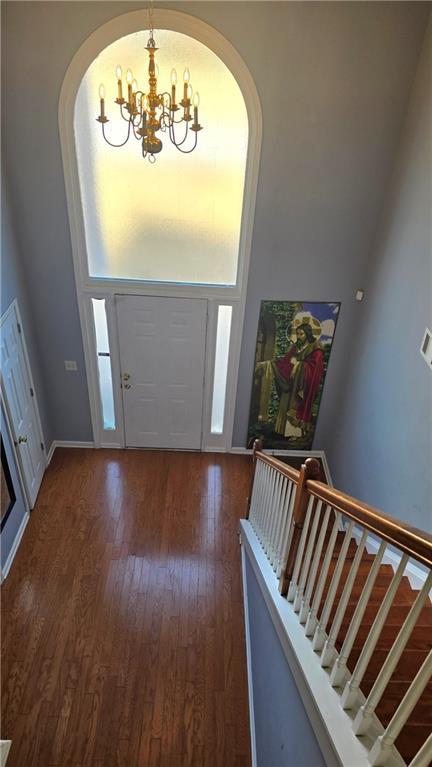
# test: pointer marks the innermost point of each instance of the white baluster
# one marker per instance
(270, 508)
(305, 605)
(364, 715)
(293, 585)
(260, 482)
(424, 757)
(316, 512)
(255, 494)
(312, 620)
(287, 529)
(280, 522)
(381, 748)
(275, 512)
(320, 633)
(329, 651)
(265, 502)
(350, 693)
(339, 671)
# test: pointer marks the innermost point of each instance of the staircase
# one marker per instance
(370, 629)
(418, 726)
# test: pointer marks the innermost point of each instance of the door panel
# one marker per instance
(21, 407)
(162, 352)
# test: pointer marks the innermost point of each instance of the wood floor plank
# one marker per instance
(123, 640)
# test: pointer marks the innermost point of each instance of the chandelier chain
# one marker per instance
(150, 18)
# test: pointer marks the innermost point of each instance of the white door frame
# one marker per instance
(14, 309)
(88, 287)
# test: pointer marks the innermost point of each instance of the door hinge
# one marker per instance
(42, 446)
(18, 327)
(31, 392)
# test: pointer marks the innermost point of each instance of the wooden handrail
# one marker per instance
(282, 468)
(414, 542)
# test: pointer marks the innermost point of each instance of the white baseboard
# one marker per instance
(249, 662)
(294, 453)
(415, 574)
(4, 750)
(65, 443)
(308, 453)
(15, 545)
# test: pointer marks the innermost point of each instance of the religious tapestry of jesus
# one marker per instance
(291, 359)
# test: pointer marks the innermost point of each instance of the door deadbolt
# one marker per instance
(126, 376)
(22, 439)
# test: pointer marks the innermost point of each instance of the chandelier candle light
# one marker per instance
(148, 113)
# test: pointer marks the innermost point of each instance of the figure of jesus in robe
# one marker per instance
(297, 376)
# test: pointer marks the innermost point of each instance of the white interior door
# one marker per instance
(20, 402)
(162, 354)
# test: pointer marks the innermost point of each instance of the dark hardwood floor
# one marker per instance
(122, 617)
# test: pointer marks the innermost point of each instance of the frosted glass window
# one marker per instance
(104, 363)
(178, 220)
(223, 334)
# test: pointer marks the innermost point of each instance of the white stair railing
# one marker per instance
(315, 539)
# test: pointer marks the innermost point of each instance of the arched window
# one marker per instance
(179, 220)
(181, 228)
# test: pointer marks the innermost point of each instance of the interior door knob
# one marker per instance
(126, 386)
(22, 439)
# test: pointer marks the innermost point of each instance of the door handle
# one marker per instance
(22, 439)
(126, 386)
(126, 376)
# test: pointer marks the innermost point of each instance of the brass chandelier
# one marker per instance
(148, 113)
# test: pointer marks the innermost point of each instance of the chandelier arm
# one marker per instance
(166, 119)
(171, 118)
(126, 119)
(177, 122)
(110, 142)
(179, 143)
(188, 151)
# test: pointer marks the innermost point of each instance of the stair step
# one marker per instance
(421, 714)
(406, 669)
(397, 614)
(418, 726)
(420, 638)
(411, 740)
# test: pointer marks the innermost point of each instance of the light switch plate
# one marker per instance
(70, 365)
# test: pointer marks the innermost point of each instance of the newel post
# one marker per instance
(257, 447)
(310, 470)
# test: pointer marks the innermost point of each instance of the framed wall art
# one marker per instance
(291, 359)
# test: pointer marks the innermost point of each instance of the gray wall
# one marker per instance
(334, 81)
(382, 449)
(14, 285)
(284, 735)
(18, 511)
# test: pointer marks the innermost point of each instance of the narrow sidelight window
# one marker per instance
(223, 334)
(104, 363)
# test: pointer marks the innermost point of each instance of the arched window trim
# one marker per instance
(105, 35)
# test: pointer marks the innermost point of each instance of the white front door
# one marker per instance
(20, 402)
(162, 354)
